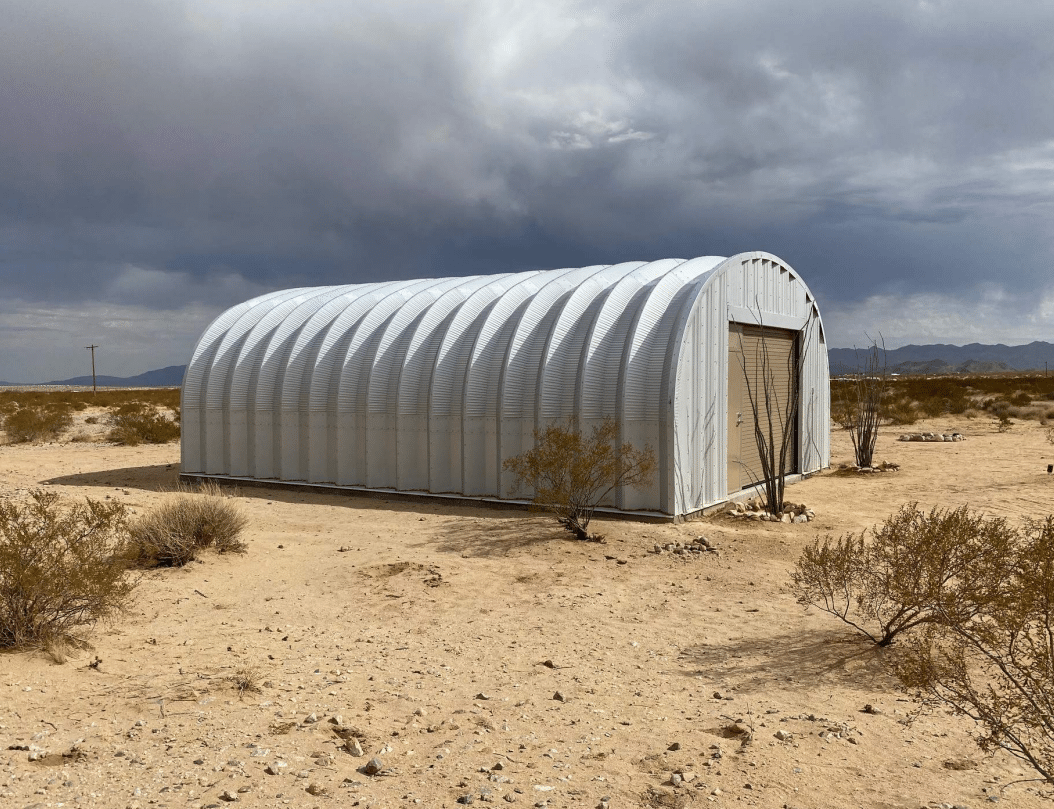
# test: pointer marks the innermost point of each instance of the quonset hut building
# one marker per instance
(425, 387)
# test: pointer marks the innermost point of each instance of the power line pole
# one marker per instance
(92, 349)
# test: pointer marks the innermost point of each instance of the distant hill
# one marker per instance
(169, 377)
(974, 358)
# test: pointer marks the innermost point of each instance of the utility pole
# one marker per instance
(92, 349)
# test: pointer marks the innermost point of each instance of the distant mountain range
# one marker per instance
(974, 358)
(169, 377)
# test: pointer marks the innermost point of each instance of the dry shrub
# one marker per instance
(37, 422)
(995, 664)
(916, 568)
(60, 568)
(173, 534)
(82, 399)
(138, 423)
(571, 474)
(247, 678)
(900, 410)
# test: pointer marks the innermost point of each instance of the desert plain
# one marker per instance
(481, 656)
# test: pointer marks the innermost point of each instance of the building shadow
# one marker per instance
(159, 477)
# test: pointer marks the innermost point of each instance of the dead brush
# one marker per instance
(247, 679)
(173, 534)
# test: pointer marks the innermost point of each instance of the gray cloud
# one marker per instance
(167, 156)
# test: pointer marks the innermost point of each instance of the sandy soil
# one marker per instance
(440, 635)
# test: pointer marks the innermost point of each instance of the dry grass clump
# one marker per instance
(173, 534)
(137, 423)
(247, 679)
(60, 569)
(28, 422)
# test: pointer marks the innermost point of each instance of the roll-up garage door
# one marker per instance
(760, 361)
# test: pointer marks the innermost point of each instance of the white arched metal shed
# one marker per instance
(425, 387)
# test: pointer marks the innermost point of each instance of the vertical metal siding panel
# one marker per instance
(416, 378)
(299, 351)
(380, 412)
(323, 417)
(483, 380)
(298, 379)
(446, 399)
(225, 329)
(353, 384)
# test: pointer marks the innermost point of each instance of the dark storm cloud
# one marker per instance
(183, 154)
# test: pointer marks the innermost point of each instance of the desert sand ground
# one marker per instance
(440, 634)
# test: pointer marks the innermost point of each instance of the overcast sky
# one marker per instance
(163, 160)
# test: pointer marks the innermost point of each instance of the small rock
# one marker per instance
(466, 799)
(311, 719)
(373, 766)
(276, 768)
(676, 779)
(336, 720)
(783, 735)
(316, 789)
(559, 697)
(871, 709)
(354, 747)
(228, 796)
(482, 696)
(674, 747)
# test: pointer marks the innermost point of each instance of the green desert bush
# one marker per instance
(173, 534)
(138, 423)
(37, 422)
(61, 569)
(915, 568)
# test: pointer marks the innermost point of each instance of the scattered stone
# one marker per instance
(336, 720)
(482, 696)
(353, 746)
(871, 709)
(276, 768)
(227, 795)
(315, 789)
(373, 766)
(674, 747)
(933, 437)
(559, 697)
(311, 719)
(783, 735)
(466, 799)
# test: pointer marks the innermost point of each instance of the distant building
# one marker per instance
(427, 386)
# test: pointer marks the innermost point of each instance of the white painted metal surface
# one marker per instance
(427, 386)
